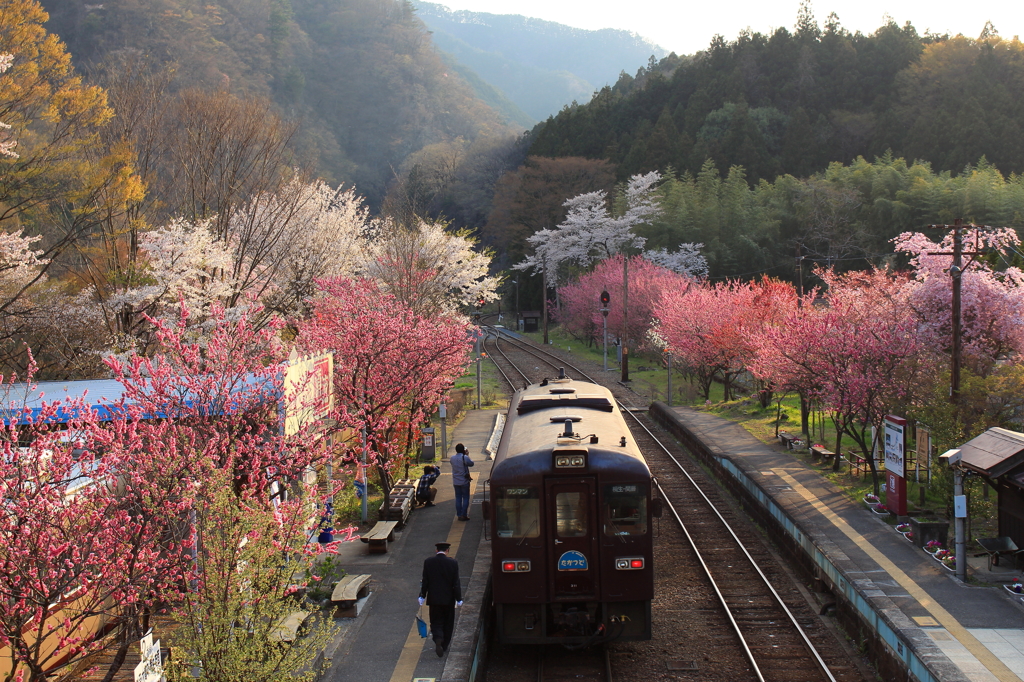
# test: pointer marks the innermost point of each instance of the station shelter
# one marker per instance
(998, 456)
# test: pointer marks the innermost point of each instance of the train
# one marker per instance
(569, 510)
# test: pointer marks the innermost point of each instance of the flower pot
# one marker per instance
(880, 512)
(926, 531)
(1015, 588)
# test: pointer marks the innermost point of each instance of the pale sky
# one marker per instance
(686, 27)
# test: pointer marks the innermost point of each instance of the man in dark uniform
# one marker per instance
(441, 590)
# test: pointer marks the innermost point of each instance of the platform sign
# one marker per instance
(150, 669)
(895, 444)
(895, 447)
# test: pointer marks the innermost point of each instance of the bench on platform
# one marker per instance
(820, 453)
(347, 592)
(379, 536)
(405, 483)
(401, 506)
(286, 629)
(786, 439)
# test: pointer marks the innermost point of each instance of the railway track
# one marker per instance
(716, 576)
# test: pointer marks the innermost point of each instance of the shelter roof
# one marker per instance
(993, 453)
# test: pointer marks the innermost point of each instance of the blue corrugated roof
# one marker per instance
(102, 395)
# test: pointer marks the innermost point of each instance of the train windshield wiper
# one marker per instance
(527, 533)
(618, 532)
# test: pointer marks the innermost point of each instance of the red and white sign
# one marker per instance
(308, 392)
(895, 447)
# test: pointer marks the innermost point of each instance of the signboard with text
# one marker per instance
(308, 392)
(895, 448)
(150, 669)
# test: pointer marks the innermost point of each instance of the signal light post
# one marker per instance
(605, 299)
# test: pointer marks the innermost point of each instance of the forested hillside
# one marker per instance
(361, 76)
(540, 65)
(794, 101)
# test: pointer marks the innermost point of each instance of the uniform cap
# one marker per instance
(443, 546)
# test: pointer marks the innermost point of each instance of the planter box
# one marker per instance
(926, 531)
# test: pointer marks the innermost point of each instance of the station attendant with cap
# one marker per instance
(441, 590)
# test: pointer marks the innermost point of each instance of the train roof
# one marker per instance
(536, 423)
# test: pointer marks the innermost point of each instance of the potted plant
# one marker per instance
(871, 500)
(932, 546)
(903, 528)
(941, 554)
(949, 562)
(1016, 587)
(927, 529)
(881, 509)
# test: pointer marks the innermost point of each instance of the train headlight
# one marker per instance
(515, 566)
(631, 563)
(570, 461)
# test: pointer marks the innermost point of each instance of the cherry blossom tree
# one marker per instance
(992, 302)
(708, 326)
(859, 353)
(393, 365)
(429, 268)
(580, 307)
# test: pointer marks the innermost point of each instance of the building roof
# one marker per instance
(23, 403)
(993, 453)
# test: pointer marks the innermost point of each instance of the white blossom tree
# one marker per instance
(591, 232)
(428, 267)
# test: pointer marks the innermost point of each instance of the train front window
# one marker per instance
(517, 512)
(571, 515)
(625, 509)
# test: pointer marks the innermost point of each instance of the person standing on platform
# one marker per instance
(441, 591)
(460, 480)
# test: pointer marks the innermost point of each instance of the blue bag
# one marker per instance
(421, 625)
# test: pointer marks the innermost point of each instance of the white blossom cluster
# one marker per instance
(590, 232)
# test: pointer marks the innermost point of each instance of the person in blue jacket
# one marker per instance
(461, 462)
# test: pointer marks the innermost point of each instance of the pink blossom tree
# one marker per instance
(711, 326)
(580, 305)
(858, 353)
(991, 301)
(392, 364)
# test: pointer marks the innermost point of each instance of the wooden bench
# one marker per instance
(404, 483)
(786, 439)
(379, 536)
(347, 592)
(821, 454)
(399, 510)
(286, 629)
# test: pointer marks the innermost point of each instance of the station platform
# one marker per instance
(382, 643)
(958, 631)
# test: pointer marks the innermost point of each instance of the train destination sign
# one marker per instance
(572, 561)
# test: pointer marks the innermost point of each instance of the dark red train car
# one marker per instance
(570, 514)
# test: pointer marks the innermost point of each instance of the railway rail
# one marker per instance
(755, 632)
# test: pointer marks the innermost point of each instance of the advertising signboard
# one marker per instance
(308, 391)
(895, 441)
(895, 447)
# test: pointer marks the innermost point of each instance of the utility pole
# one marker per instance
(956, 271)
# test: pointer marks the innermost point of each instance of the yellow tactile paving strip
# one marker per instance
(977, 649)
